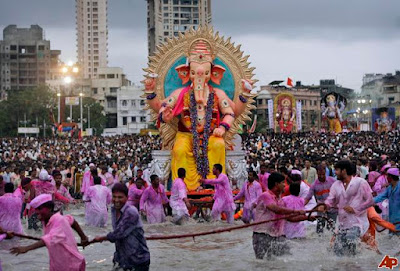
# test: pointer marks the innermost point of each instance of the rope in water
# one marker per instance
(154, 237)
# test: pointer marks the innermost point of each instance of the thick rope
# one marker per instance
(154, 237)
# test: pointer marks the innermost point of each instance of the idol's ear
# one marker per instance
(183, 73)
(217, 72)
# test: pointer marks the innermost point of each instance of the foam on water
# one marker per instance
(224, 251)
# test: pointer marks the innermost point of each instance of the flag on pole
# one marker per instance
(253, 126)
(289, 82)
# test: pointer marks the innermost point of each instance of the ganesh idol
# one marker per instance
(332, 107)
(196, 110)
(285, 112)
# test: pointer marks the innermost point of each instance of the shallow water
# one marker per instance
(224, 251)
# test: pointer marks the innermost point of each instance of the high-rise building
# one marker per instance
(166, 18)
(92, 35)
(26, 59)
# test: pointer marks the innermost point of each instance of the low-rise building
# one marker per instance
(131, 113)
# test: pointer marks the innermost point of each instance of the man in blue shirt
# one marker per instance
(128, 235)
(392, 193)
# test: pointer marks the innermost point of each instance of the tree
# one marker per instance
(32, 104)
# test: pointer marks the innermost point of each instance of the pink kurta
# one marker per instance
(61, 244)
(223, 199)
(96, 210)
(178, 193)
(152, 203)
(250, 192)
(87, 181)
(380, 185)
(134, 195)
(358, 196)
(294, 229)
(262, 213)
(10, 213)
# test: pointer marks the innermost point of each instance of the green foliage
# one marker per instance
(38, 105)
(34, 103)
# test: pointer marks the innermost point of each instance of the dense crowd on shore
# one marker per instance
(349, 179)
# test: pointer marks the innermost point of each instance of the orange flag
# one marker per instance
(289, 82)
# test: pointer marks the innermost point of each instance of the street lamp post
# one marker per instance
(59, 108)
(81, 95)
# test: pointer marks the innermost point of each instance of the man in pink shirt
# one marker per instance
(97, 198)
(263, 177)
(10, 210)
(135, 193)
(268, 237)
(352, 196)
(178, 201)
(250, 191)
(153, 200)
(223, 198)
(294, 202)
(58, 237)
(87, 179)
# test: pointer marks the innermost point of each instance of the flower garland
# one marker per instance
(200, 149)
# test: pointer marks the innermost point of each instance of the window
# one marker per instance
(88, 3)
(88, 39)
(95, 34)
(142, 119)
(133, 103)
(110, 76)
(94, 4)
(113, 90)
(112, 103)
(124, 103)
(166, 21)
(14, 47)
(133, 119)
(259, 101)
(88, 33)
(95, 40)
(95, 57)
(96, 51)
(95, 28)
(165, 8)
(315, 103)
(94, 9)
(94, 90)
(95, 21)
(142, 102)
(40, 47)
(165, 1)
(88, 28)
(166, 14)
(166, 33)
(88, 15)
(391, 100)
(88, 57)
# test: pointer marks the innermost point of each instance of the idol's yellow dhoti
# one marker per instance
(183, 157)
(334, 125)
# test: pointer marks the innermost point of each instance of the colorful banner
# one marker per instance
(271, 114)
(298, 115)
(72, 100)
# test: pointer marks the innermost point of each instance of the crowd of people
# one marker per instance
(347, 183)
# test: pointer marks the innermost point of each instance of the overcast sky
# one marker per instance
(307, 40)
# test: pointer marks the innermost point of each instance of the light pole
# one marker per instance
(81, 95)
(88, 110)
(59, 108)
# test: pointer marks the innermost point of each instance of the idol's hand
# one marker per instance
(247, 85)
(167, 114)
(219, 132)
(150, 82)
